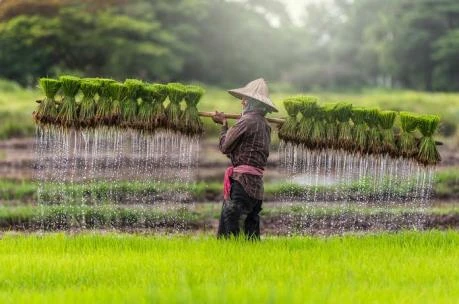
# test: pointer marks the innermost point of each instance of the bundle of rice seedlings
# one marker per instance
(129, 106)
(319, 132)
(288, 130)
(331, 125)
(119, 93)
(104, 103)
(374, 142)
(47, 108)
(68, 112)
(359, 129)
(88, 107)
(176, 92)
(192, 123)
(407, 143)
(428, 153)
(343, 113)
(145, 110)
(159, 111)
(386, 124)
(308, 108)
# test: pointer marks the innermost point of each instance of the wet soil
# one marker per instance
(270, 225)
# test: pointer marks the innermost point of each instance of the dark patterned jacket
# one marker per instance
(247, 143)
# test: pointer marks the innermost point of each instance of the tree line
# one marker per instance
(339, 44)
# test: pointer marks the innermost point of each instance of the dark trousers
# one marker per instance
(240, 208)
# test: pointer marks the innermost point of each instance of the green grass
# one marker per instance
(407, 267)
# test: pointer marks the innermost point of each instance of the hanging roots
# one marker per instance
(129, 106)
(177, 92)
(192, 124)
(88, 107)
(287, 131)
(428, 153)
(68, 112)
(386, 123)
(47, 108)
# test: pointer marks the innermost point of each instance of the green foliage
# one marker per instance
(104, 103)
(88, 106)
(428, 153)
(47, 109)
(129, 105)
(191, 122)
(287, 131)
(119, 94)
(68, 109)
(386, 123)
(176, 93)
(118, 268)
(360, 129)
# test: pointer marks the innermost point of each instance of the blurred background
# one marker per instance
(395, 54)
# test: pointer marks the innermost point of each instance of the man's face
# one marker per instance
(244, 103)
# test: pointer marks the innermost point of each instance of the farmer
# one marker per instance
(247, 145)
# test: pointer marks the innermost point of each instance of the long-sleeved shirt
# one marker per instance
(247, 143)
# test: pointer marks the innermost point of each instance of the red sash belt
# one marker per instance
(246, 169)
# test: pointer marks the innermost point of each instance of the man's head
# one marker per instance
(255, 95)
(250, 104)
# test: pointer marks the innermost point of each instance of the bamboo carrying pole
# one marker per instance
(237, 116)
(278, 121)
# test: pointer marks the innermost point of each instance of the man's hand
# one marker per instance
(219, 118)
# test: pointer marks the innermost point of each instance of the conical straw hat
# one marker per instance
(258, 90)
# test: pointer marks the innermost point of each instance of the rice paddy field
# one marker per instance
(407, 267)
(92, 240)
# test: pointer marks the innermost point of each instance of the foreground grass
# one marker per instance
(408, 267)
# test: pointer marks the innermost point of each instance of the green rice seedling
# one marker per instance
(308, 108)
(159, 111)
(176, 92)
(386, 124)
(319, 132)
(145, 120)
(88, 107)
(428, 153)
(104, 103)
(68, 112)
(359, 129)
(47, 108)
(288, 130)
(119, 93)
(331, 125)
(374, 142)
(192, 123)
(129, 106)
(343, 112)
(407, 143)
